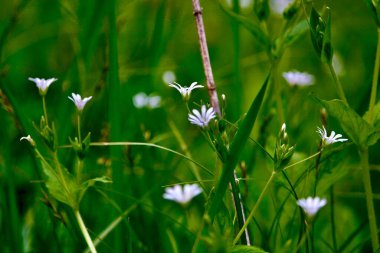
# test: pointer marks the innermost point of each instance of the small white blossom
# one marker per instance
(29, 139)
(311, 205)
(327, 140)
(141, 100)
(185, 91)
(168, 76)
(295, 78)
(78, 101)
(42, 84)
(202, 118)
(182, 195)
(279, 6)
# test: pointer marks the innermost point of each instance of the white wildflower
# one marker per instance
(279, 6)
(202, 118)
(78, 101)
(182, 195)
(311, 205)
(295, 78)
(168, 76)
(42, 84)
(327, 140)
(29, 139)
(185, 91)
(141, 100)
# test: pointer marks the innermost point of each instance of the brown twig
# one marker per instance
(205, 57)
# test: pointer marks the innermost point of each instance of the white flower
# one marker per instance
(295, 78)
(141, 100)
(182, 195)
(42, 84)
(202, 118)
(327, 140)
(29, 139)
(185, 91)
(279, 6)
(154, 102)
(78, 101)
(311, 205)
(168, 76)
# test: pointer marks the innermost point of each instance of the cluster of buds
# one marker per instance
(283, 151)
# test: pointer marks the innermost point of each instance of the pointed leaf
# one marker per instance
(373, 11)
(63, 190)
(295, 33)
(327, 50)
(240, 138)
(315, 31)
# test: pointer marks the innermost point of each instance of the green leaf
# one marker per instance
(261, 8)
(315, 30)
(247, 249)
(295, 33)
(240, 138)
(376, 115)
(62, 187)
(251, 24)
(91, 182)
(374, 11)
(327, 50)
(358, 130)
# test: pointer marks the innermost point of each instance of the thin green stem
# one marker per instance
(149, 145)
(45, 111)
(186, 151)
(338, 85)
(369, 198)
(374, 80)
(236, 196)
(84, 231)
(332, 216)
(79, 134)
(277, 90)
(317, 162)
(252, 213)
(304, 238)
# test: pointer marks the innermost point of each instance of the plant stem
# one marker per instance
(332, 215)
(338, 85)
(250, 216)
(45, 112)
(369, 198)
(79, 135)
(363, 152)
(236, 196)
(205, 57)
(374, 80)
(277, 89)
(85, 232)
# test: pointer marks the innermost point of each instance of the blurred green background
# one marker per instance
(112, 50)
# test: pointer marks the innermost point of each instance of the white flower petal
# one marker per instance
(296, 78)
(311, 205)
(182, 195)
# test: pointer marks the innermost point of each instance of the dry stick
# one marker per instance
(205, 57)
